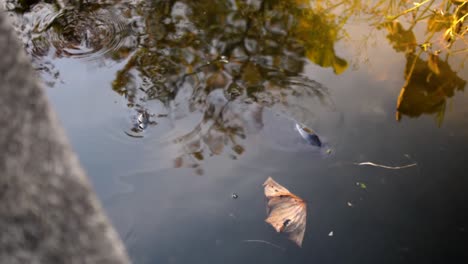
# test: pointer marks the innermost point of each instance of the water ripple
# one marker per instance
(87, 34)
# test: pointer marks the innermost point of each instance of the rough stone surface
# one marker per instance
(48, 211)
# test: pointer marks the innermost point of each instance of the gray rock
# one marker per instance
(48, 211)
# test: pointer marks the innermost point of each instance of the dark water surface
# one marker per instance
(223, 84)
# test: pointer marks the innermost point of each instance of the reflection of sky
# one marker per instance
(95, 118)
(173, 216)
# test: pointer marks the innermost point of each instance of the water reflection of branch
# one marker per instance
(256, 52)
(415, 7)
(428, 82)
(224, 123)
(253, 53)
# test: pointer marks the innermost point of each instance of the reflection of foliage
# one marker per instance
(317, 31)
(252, 48)
(427, 90)
(224, 124)
(182, 53)
(402, 40)
(319, 36)
(428, 82)
(448, 18)
(91, 31)
(252, 52)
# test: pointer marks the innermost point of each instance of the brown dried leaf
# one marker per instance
(286, 211)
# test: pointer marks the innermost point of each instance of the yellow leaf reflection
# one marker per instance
(402, 40)
(426, 92)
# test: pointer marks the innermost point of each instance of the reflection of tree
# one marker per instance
(429, 81)
(426, 90)
(246, 52)
(224, 125)
(401, 40)
(251, 48)
(97, 32)
(253, 53)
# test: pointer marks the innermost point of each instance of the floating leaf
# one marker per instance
(286, 211)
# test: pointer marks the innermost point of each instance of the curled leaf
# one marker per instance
(286, 211)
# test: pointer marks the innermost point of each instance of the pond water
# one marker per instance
(180, 110)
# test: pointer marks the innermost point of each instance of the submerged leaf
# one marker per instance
(286, 211)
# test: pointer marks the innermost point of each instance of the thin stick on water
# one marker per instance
(264, 242)
(129, 233)
(386, 167)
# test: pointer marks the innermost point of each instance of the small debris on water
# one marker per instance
(330, 234)
(329, 151)
(235, 196)
(264, 242)
(361, 185)
(224, 59)
(367, 163)
(350, 204)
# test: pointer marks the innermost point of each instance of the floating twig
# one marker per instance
(264, 242)
(367, 163)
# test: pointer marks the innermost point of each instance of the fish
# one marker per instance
(309, 135)
(286, 211)
(142, 120)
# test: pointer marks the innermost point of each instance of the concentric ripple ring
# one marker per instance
(87, 34)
